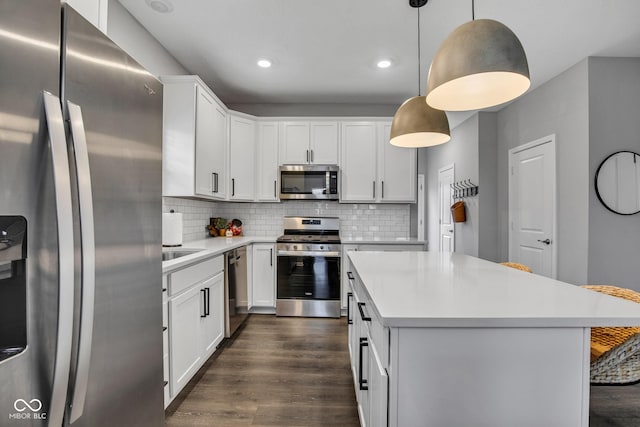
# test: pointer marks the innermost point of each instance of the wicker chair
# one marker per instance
(615, 352)
(517, 266)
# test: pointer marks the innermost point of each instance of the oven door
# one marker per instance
(310, 277)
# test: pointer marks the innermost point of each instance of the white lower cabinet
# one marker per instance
(264, 276)
(195, 319)
(368, 349)
(212, 321)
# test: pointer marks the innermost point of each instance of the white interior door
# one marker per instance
(532, 206)
(446, 177)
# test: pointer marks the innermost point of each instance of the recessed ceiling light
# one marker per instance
(160, 6)
(264, 63)
(385, 63)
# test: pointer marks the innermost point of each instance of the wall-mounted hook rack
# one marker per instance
(465, 188)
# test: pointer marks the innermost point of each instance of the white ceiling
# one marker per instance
(325, 51)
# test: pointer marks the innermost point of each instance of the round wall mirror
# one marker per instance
(618, 182)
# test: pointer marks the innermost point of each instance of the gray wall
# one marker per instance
(473, 151)
(614, 122)
(558, 107)
(462, 150)
(488, 242)
(123, 29)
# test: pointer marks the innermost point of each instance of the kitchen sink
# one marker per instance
(170, 254)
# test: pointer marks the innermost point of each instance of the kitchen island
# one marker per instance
(440, 339)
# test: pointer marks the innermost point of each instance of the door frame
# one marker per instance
(549, 139)
(451, 166)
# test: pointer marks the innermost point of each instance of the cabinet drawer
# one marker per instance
(195, 273)
(378, 334)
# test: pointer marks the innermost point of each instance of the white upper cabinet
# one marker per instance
(267, 162)
(359, 157)
(294, 143)
(372, 169)
(194, 140)
(323, 147)
(242, 143)
(309, 142)
(397, 169)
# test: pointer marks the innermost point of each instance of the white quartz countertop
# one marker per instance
(433, 289)
(209, 247)
(382, 241)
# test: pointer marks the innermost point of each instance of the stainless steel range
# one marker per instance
(309, 267)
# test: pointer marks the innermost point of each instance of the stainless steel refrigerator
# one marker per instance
(80, 225)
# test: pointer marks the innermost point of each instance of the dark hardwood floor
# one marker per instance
(275, 371)
(279, 371)
(615, 406)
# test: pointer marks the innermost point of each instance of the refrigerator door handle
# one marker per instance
(87, 239)
(64, 213)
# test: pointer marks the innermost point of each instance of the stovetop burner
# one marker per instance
(311, 230)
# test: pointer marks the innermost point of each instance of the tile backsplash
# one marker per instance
(365, 221)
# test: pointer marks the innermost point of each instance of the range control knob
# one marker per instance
(295, 247)
(321, 247)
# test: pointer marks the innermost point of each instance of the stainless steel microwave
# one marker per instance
(309, 182)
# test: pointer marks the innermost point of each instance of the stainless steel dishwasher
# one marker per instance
(235, 289)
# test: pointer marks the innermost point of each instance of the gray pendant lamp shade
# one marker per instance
(416, 124)
(481, 64)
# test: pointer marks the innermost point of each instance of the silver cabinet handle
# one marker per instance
(382, 190)
(307, 156)
(374, 189)
(233, 186)
(64, 213)
(275, 189)
(87, 230)
(311, 156)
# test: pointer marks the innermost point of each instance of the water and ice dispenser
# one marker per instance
(13, 286)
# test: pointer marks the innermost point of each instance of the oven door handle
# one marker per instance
(322, 254)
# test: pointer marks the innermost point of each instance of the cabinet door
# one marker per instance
(264, 275)
(324, 143)
(242, 137)
(212, 324)
(219, 159)
(397, 169)
(267, 160)
(205, 146)
(358, 171)
(378, 382)
(184, 320)
(294, 143)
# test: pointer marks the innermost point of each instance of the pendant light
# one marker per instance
(481, 64)
(416, 124)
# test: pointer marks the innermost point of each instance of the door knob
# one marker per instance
(545, 241)
(450, 231)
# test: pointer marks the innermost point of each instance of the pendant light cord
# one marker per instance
(419, 62)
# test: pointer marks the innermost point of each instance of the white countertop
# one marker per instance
(209, 247)
(384, 241)
(433, 289)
